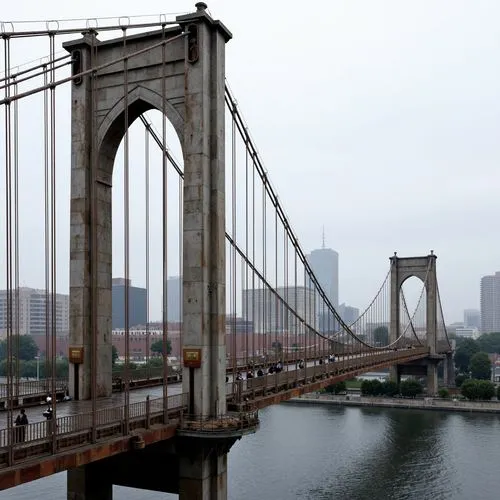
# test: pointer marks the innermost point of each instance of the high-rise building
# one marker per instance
(137, 304)
(490, 303)
(472, 318)
(324, 263)
(35, 312)
(348, 314)
(268, 314)
(174, 299)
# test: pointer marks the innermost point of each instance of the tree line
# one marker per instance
(25, 350)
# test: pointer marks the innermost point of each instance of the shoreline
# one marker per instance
(431, 404)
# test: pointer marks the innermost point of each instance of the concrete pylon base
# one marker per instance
(395, 374)
(432, 379)
(87, 482)
(203, 467)
(203, 478)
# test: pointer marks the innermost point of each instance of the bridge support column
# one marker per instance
(204, 258)
(395, 374)
(205, 478)
(449, 370)
(432, 379)
(203, 466)
(88, 482)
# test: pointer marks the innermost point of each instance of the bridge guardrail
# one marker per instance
(32, 387)
(82, 423)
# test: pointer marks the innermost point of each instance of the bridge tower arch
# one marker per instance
(423, 268)
(185, 79)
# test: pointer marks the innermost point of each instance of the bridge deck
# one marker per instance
(41, 451)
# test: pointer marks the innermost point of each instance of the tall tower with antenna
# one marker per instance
(325, 265)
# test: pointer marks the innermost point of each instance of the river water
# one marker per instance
(326, 452)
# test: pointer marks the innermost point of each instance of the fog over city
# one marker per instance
(377, 121)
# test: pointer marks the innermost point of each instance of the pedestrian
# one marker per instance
(21, 423)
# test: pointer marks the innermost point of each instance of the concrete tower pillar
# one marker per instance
(204, 260)
(90, 261)
(394, 313)
(203, 466)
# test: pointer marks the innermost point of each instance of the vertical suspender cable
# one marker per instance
(246, 270)
(46, 142)
(164, 228)
(93, 236)
(126, 243)
(181, 224)
(233, 249)
(265, 294)
(254, 294)
(276, 300)
(146, 168)
(8, 250)
(15, 153)
(53, 249)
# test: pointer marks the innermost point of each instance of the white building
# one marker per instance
(35, 311)
(490, 303)
(467, 333)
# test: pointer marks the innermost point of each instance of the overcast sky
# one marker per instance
(378, 120)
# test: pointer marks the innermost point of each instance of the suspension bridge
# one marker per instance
(257, 327)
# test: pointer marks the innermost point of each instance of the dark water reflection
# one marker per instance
(326, 453)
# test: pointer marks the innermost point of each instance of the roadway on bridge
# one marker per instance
(66, 409)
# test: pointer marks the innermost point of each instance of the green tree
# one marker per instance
(114, 355)
(444, 393)
(464, 353)
(336, 388)
(411, 388)
(372, 388)
(390, 388)
(460, 379)
(490, 342)
(480, 366)
(478, 389)
(157, 347)
(486, 389)
(381, 335)
(27, 347)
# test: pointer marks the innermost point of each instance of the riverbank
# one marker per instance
(433, 404)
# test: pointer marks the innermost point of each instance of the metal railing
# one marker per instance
(32, 387)
(110, 423)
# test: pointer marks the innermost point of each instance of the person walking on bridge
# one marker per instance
(21, 423)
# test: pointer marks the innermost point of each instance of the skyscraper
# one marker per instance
(325, 265)
(33, 311)
(137, 304)
(490, 303)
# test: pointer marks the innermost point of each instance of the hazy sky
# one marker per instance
(378, 120)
